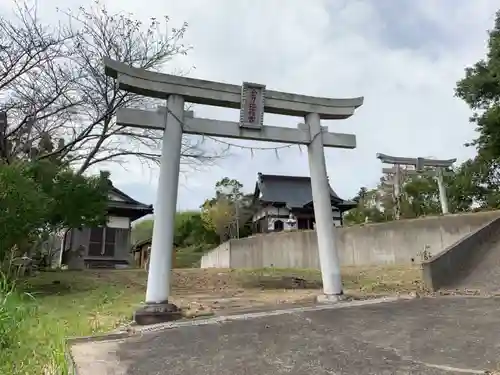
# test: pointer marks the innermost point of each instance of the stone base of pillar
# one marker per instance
(330, 298)
(154, 313)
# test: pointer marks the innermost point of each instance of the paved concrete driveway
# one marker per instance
(420, 336)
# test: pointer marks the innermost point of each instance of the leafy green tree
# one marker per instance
(229, 189)
(420, 196)
(476, 181)
(368, 208)
(76, 200)
(190, 236)
(465, 187)
(190, 230)
(142, 230)
(229, 211)
(42, 195)
(23, 205)
(217, 216)
(32, 207)
(480, 89)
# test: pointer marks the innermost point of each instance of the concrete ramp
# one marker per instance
(484, 275)
(471, 264)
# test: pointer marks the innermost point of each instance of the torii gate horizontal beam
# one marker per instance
(413, 172)
(228, 129)
(160, 85)
(403, 171)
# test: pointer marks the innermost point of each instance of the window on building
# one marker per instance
(102, 241)
(278, 226)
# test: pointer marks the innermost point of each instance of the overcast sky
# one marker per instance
(403, 56)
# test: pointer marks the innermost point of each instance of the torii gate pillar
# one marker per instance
(328, 254)
(160, 261)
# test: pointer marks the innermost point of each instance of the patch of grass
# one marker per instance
(15, 309)
(68, 304)
(81, 303)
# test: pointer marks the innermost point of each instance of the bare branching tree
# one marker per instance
(52, 84)
(96, 137)
(36, 81)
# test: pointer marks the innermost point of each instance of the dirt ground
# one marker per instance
(207, 291)
(226, 291)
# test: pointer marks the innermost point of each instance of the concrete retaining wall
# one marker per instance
(397, 242)
(456, 261)
(218, 256)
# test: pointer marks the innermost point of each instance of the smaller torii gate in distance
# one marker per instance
(252, 100)
(419, 163)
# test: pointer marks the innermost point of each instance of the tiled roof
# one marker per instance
(293, 191)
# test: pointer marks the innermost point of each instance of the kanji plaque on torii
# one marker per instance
(252, 100)
(252, 105)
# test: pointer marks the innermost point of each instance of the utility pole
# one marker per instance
(235, 219)
(237, 212)
(234, 225)
(440, 169)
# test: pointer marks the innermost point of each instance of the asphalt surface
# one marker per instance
(446, 335)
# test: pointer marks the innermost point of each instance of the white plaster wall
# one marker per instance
(118, 222)
(270, 211)
(285, 212)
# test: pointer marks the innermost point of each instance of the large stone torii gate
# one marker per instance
(440, 170)
(252, 100)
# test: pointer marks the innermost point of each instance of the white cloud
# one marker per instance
(334, 49)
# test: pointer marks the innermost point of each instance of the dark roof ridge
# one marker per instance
(282, 176)
(285, 176)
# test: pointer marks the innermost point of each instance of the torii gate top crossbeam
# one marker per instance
(416, 161)
(159, 85)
